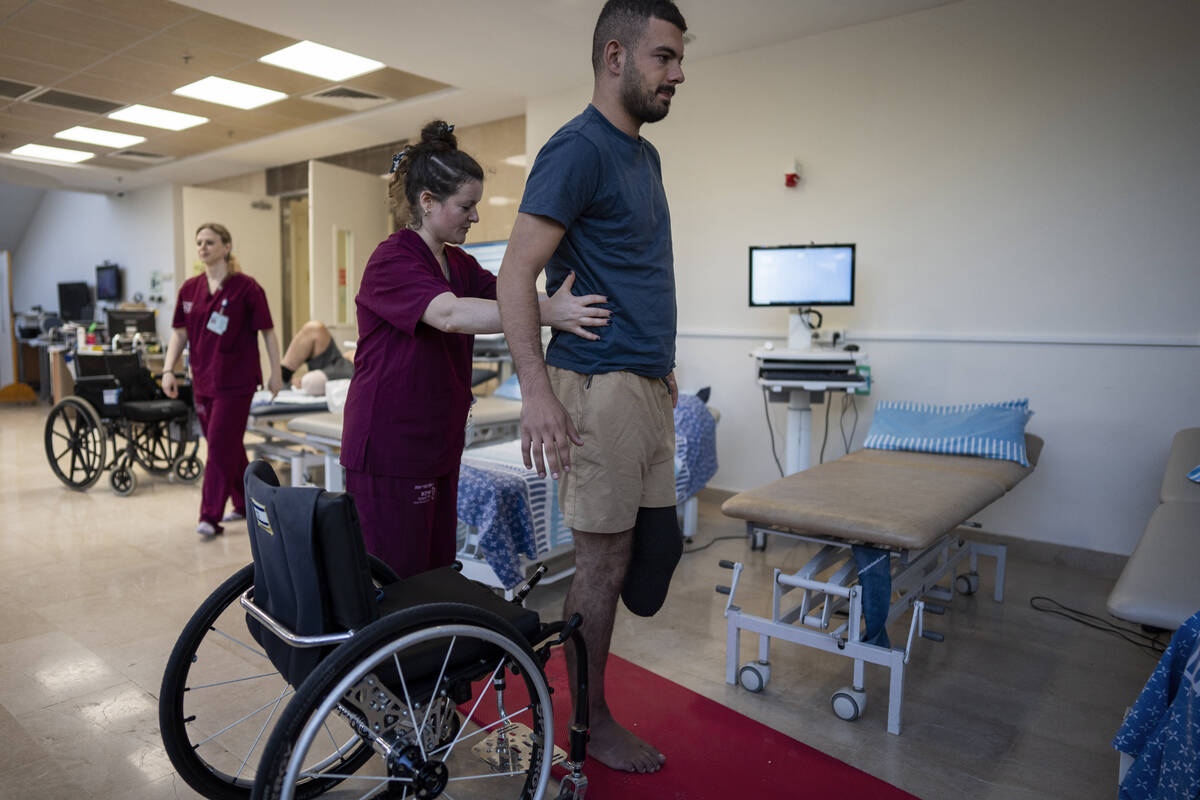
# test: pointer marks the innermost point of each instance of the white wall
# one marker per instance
(1019, 177)
(72, 232)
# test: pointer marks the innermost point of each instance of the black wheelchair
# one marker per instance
(316, 669)
(116, 398)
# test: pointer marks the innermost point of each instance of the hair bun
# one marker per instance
(439, 131)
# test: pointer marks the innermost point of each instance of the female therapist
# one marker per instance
(219, 313)
(419, 306)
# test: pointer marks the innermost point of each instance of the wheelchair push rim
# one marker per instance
(509, 755)
(76, 442)
(219, 698)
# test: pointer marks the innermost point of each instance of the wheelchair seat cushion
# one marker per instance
(154, 410)
(448, 585)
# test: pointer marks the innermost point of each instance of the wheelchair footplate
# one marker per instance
(510, 748)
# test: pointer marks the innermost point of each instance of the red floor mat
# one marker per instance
(712, 751)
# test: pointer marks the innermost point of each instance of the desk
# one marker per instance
(814, 371)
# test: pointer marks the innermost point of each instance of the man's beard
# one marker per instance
(642, 104)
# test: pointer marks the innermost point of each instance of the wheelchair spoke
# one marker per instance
(215, 684)
(270, 704)
(240, 643)
(262, 730)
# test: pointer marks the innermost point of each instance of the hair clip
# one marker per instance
(396, 159)
(445, 128)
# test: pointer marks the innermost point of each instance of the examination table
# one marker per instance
(909, 506)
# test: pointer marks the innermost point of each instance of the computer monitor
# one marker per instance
(75, 302)
(108, 282)
(488, 254)
(125, 321)
(802, 275)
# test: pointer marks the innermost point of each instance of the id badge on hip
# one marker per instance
(218, 322)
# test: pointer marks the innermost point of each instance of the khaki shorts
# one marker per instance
(627, 459)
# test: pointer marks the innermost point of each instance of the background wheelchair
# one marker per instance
(116, 399)
(315, 667)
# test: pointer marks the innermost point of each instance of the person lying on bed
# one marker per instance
(314, 347)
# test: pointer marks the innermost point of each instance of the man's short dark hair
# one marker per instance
(626, 21)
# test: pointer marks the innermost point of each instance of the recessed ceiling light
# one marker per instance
(52, 153)
(97, 136)
(516, 161)
(500, 200)
(158, 117)
(324, 62)
(229, 93)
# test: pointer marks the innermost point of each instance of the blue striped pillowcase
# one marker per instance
(1194, 475)
(987, 430)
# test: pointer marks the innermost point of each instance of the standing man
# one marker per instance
(599, 413)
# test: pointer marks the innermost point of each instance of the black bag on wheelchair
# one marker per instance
(310, 567)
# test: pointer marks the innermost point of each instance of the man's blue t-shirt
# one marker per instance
(606, 189)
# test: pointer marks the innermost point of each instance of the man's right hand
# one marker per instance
(170, 389)
(546, 434)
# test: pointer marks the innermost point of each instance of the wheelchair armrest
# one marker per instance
(286, 634)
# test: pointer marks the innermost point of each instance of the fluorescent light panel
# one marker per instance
(52, 153)
(158, 118)
(323, 62)
(99, 137)
(229, 93)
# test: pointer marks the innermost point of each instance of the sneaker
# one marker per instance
(233, 516)
(207, 529)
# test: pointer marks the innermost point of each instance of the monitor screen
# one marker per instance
(488, 254)
(802, 275)
(108, 282)
(75, 302)
(131, 320)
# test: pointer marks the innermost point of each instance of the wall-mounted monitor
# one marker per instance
(108, 282)
(488, 254)
(75, 302)
(128, 321)
(802, 275)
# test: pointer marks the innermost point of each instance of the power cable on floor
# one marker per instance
(709, 544)
(1148, 642)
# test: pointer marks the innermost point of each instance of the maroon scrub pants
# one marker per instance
(409, 523)
(223, 420)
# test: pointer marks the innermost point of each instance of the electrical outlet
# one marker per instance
(831, 337)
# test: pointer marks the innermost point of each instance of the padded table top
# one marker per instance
(326, 424)
(1184, 457)
(1159, 584)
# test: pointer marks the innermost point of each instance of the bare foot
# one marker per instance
(617, 747)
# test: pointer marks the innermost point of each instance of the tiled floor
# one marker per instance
(95, 588)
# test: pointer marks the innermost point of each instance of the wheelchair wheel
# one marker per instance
(153, 447)
(189, 469)
(220, 696)
(75, 442)
(397, 682)
(122, 478)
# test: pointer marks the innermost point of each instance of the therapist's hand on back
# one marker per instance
(566, 312)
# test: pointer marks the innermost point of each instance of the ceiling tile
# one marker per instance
(117, 91)
(230, 36)
(116, 163)
(155, 78)
(191, 57)
(305, 111)
(271, 77)
(259, 119)
(72, 26)
(152, 14)
(27, 126)
(45, 50)
(11, 7)
(395, 84)
(62, 117)
(29, 72)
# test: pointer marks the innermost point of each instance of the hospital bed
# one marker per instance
(273, 438)
(909, 506)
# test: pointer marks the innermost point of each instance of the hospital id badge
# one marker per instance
(218, 322)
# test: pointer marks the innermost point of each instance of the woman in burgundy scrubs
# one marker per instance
(219, 313)
(419, 306)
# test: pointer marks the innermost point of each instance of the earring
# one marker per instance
(428, 211)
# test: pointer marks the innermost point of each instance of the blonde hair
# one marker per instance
(223, 234)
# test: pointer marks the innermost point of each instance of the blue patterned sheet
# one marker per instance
(1162, 730)
(515, 513)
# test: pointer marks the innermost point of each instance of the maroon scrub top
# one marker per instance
(411, 390)
(224, 363)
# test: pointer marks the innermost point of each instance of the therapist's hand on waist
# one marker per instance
(567, 312)
(546, 434)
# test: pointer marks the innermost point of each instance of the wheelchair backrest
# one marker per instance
(135, 381)
(310, 567)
